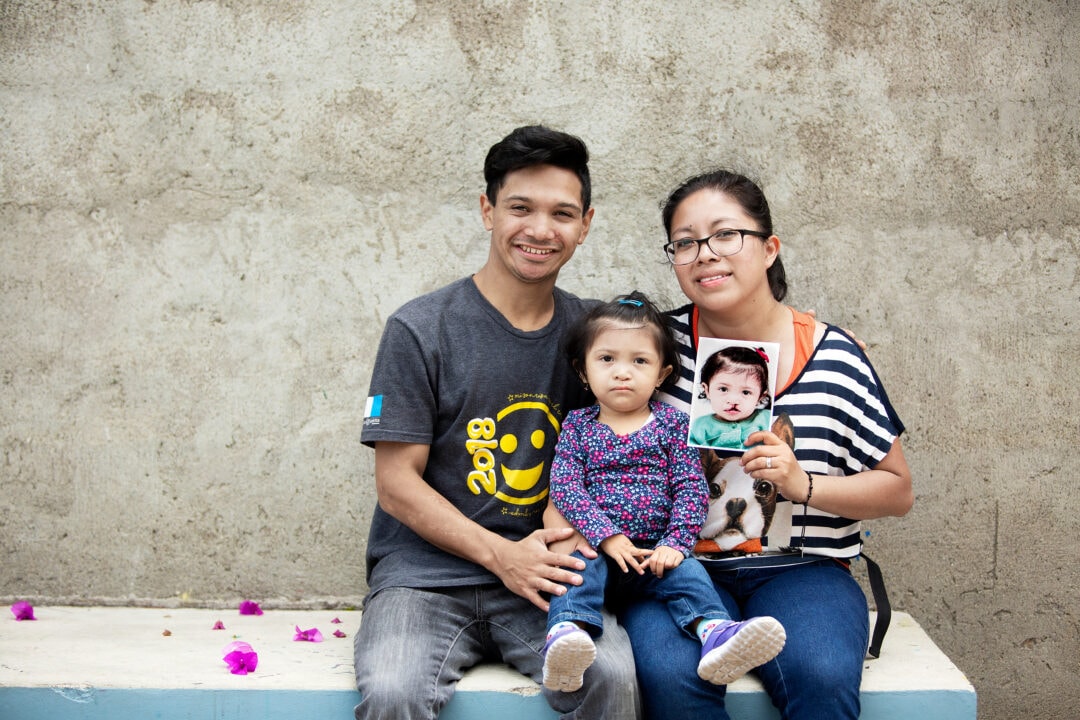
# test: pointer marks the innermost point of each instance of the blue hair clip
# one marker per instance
(627, 301)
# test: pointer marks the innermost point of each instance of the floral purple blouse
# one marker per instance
(647, 485)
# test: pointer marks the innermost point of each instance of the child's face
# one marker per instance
(623, 368)
(733, 394)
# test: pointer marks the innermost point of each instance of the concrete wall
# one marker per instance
(209, 209)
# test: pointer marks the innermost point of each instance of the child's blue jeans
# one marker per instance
(686, 591)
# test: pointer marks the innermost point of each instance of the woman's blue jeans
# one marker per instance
(815, 677)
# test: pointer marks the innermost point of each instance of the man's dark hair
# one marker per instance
(537, 145)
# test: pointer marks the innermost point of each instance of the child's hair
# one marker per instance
(736, 358)
(635, 310)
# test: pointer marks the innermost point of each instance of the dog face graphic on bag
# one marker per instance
(741, 508)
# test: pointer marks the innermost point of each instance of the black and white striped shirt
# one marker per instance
(844, 424)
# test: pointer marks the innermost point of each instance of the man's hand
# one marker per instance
(575, 543)
(664, 558)
(625, 553)
(528, 567)
(862, 345)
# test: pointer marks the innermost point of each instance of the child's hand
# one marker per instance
(625, 553)
(664, 558)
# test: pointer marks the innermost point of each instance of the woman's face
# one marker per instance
(718, 283)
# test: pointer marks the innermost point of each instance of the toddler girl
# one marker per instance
(625, 478)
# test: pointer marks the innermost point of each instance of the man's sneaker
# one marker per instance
(567, 655)
(731, 651)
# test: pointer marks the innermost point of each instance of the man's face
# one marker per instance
(536, 222)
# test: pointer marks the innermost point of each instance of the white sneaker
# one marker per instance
(567, 655)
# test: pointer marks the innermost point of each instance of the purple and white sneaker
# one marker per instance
(735, 649)
(568, 653)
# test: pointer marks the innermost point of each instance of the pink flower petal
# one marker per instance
(336, 621)
(218, 626)
(250, 607)
(241, 663)
(312, 635)
(23, 611)
(338, 633)
(240, 658)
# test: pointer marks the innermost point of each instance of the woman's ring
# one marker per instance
(768, 462)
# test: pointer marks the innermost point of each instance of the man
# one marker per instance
(467, 397)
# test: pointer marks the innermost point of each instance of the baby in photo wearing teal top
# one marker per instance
(735, 380)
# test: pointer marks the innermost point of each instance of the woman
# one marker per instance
(845, 464)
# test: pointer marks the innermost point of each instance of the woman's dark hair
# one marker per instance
(537, 145)
(742, 190)
(635, 310)
(737, 358)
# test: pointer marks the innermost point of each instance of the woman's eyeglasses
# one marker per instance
(723, 242)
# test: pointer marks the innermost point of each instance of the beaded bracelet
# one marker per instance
(809, 489)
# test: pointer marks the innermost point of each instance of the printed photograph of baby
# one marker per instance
(735, 383)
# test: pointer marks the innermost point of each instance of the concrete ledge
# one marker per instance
(104, 663)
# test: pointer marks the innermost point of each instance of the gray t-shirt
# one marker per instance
(488, 399)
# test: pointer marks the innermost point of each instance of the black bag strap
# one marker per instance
(881, 600)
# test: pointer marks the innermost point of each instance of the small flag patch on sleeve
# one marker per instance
(373, 408)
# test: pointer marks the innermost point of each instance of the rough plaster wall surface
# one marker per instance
(208, 209)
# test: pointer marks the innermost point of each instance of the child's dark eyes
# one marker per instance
(611, 358)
